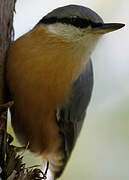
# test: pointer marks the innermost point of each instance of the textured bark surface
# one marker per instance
(6, 34)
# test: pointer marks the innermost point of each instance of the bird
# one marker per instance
(49, 76)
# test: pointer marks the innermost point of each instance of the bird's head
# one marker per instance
(79, 29)
(75, 23)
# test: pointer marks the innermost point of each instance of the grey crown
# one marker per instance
(75, 11)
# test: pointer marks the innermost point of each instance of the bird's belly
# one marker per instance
(38, 87)
(36, 125)
(34, 112)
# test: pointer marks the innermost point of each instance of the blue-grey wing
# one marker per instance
(72, 115)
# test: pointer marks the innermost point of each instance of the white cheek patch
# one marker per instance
(71, 33)
(52, 29)
(66, 31)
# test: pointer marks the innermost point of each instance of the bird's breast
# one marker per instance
(39, 78)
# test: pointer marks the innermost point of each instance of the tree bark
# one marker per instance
(6, 35)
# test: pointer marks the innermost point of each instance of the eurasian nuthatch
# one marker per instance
(50, 78)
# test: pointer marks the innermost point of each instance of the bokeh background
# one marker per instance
(102, 150)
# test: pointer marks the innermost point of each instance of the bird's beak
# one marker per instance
(108, 27)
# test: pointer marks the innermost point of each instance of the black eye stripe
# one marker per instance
(75, 21)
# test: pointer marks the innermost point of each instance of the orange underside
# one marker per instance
(40, 72)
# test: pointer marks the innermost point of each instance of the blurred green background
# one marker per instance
(102, 150)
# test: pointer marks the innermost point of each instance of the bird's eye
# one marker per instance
(73, 20)
(79, 22)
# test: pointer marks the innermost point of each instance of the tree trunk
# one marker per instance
(6, 35)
